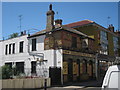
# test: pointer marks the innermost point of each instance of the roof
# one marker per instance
(61, 28)
(73, 30)
(87, 22)
(38, 33)
(67, 27)
(79, 23)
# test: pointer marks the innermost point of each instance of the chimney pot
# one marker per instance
(111, 27)
(58, 23)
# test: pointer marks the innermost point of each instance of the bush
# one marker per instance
(6, 72)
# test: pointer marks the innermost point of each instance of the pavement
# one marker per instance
(90, 85)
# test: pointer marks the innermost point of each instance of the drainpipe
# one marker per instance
(96, 66)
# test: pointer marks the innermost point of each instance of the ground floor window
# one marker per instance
(20, 67)
(90, 68)
(84, 66)
(9, 64)
(33, 67)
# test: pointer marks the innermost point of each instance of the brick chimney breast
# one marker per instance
(50, 18)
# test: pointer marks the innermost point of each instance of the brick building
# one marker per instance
(66, 53)
(106, 42)
(78, 53)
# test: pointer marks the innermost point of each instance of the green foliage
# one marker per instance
(13, 35)
(6, 72)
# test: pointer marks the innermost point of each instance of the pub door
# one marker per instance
(70, 70)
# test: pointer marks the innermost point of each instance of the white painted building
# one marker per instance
(28, 54)
(18, 51)
(44, 58)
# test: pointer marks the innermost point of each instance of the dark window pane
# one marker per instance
(21, 47)
(9, 64)
(6, 49)
(9, 48)
(20, 67)
(74, 42)
(33, 67)
(13, 51)
(33, 44)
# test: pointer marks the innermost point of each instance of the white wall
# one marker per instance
(40, 43)
(17, 56)
(53, 57)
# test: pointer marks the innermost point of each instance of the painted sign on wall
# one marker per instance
(65, 67)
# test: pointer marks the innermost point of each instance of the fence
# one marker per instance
(25, 83)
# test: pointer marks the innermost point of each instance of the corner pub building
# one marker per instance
(70, 54)
(78, 54)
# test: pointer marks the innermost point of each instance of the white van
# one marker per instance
(112, 78)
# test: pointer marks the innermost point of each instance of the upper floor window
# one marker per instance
(103, 35)
(13, 49)
(21, 47)
(9, 48)
(74, 42)
(34, 44)
(6, 49)
(115, 42)
(85, 43)
(104, 49)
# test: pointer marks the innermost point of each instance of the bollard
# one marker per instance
(45, 84)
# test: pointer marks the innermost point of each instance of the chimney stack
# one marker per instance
(117, 32)
(50, 18)
(58, 23)
(111, 27)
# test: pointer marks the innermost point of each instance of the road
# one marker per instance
(73, 88)
(91, 85)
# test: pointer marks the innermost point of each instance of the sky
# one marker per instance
(34, 14)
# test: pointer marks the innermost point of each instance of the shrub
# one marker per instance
(6, 72)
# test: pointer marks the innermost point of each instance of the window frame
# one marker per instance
(34, 44)
(21, 46)
(10, 48)
(13, 48)
(74, 42)
(6, 49)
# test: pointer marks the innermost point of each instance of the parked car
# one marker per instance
(112, 78)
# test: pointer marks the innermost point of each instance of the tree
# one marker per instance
(13, 35)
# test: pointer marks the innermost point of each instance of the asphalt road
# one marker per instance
(91, 85)
(75, 88)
